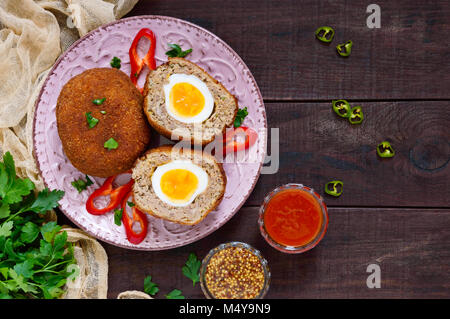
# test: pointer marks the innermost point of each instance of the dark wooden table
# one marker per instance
(394, 213)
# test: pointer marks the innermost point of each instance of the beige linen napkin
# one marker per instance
(32, 36)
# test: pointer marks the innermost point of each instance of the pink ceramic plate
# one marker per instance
(96, 49)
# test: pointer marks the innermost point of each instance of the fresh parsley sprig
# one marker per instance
(81, 184)
(175, 294)
(118, 216)
(150, 287)
(177, 51)
(115, 62)
(191, 268)
(240, 116)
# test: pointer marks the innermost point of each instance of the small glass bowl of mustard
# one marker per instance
(234, 270)
(293, 218)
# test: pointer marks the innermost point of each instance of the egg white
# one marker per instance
(199, 172)
(201, 86)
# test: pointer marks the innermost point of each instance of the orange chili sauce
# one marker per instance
(293, 217)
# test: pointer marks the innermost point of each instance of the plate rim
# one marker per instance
(123, 20)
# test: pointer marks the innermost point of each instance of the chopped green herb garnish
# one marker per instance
(91, 121)
(115, 62)
(175, 294)
(111, 144)
(103, 112)
(177, 51)
(150, 287)
(118, 216)
(191, 268)
(99, 101)
(131, 204)
(240, 116)
(81, 184)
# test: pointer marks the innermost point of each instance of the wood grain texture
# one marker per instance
(412, 248)
(404, 59)
(317, 146)
(393, 212)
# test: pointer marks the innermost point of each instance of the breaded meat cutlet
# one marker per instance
(96, 106)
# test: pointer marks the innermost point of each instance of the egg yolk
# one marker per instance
(179, 185)
(186, 100)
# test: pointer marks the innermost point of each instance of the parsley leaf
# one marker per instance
(118, 216)
(175, 294)
(177, 51)
(81, 184)
(240, 116)
(99, 101)
(192, 267)
(5, 229)
(131, 204)
(12, 189)
(20, 282)
(18, 189)
(115, 62)
(103, 112)
(111, 144)
(25, 269)
(49, 231)
(60, 241)
(4, 210)
(150, 287)
(30, 231)
(91, 121)
(46, 200)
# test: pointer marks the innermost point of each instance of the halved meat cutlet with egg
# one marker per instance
(179, 185)
(97, 106)
(180, 96)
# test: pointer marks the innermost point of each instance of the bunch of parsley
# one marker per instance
(34, 256)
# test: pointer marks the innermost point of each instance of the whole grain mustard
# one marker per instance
(234, 273)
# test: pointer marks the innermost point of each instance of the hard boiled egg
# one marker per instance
(188, 98)
(179, 182)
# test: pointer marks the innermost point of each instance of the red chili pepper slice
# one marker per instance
(137, 217)
(136, 62)
(232, 144)
(115, 194)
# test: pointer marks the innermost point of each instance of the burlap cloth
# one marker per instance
(32, 36)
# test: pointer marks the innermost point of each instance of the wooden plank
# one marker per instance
(412, 248)
(317, 146)
(404, 59)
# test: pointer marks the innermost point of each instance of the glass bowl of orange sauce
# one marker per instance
(293, 218)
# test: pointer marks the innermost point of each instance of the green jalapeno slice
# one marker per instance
(325, 34)
(384, 149)
(341, 108)
(344, 49)
(356, 115)
(334, 188)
